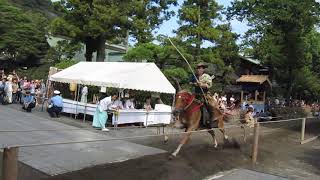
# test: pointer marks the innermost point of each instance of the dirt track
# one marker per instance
(280, 154)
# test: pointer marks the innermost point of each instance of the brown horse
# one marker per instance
(187, 113)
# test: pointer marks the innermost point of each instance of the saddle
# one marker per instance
(206, 119)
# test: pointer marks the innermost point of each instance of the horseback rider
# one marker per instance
(202, 81)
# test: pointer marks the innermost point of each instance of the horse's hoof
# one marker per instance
(171, 157)
(215, 146)
(166, 139)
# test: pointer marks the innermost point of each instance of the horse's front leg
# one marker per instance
(182, 142)
(221, 128)
(211, 132)
(225, 136)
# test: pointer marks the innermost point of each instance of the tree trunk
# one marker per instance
(101, 49)
(290, 83)
(90, 48)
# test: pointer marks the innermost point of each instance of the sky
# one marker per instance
(167, 27)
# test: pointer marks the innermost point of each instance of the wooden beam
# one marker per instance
(303, 128)
(256, 95)
(255, 143)
(309, 140)
(241, 96)
(10, 163)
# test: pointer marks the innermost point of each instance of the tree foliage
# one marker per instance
(22, 34)
(280, 35)
(146, 16)
(94, 22)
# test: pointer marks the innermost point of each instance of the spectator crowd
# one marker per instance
(27, 92)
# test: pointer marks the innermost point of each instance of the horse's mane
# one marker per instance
(184, 91)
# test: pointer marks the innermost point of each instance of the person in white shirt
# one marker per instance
(84, 93)
(129, 104)
(147, 105)
(8, 89)
(232, 99)
(117, 104)
(101, 115)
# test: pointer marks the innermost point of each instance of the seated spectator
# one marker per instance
(55, 105)
(117, 104)
(129, 104)
(28, 102)
(159, 101)
(147, 105)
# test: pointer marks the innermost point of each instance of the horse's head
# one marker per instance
(183, 100)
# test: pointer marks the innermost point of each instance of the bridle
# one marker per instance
(189, 100)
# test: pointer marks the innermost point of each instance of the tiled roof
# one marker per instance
(254, 79)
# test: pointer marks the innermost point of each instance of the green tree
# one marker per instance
(22, 34)
(147, 15)
(278, 33)
(197, 24)
(93, 22)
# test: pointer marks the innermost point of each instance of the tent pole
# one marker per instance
(77, 96)
(85, 109)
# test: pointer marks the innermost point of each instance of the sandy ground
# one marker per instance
(279, 153)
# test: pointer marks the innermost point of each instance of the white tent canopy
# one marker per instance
(123, 75)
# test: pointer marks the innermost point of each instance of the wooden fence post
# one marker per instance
(303, 129)
(255, 143)
(10, 163)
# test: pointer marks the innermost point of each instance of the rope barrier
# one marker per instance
(122, 138)
(135, 127)
(279, 121)
(113, 139)
(73, 129)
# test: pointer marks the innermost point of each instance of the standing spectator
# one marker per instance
(84, 93)
(43, 91)
(2, 75)
(21, 82)
(276, 102)
(8, 90)
(15, 88)
(232, 99)
(55, 105)
(28, 102)
(2, 93)
(33, 88)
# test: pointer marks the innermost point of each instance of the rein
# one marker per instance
(190, 102)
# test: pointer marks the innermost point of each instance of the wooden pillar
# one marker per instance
(256, 95)
(303, 128)
(10, 164)
(255, 143)
(241, 96)
(264, 96)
